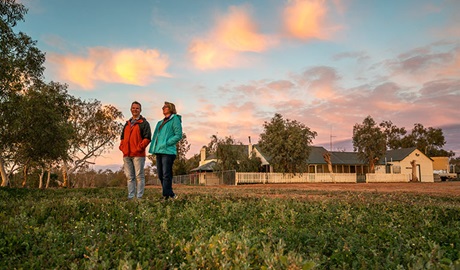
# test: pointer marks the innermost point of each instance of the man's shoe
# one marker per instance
(174, 197)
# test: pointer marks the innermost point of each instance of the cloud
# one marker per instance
(358, 56)
(306, 19)
(424, 64)
(208, 55)
(234, 33)
(127, 66)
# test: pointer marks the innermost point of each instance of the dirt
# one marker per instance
(451, 188)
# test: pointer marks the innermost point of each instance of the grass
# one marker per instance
(227, 229)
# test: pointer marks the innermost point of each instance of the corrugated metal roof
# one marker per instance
(337, 158)
(208, 167)
(397, 155)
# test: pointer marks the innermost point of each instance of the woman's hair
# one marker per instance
(171, 107)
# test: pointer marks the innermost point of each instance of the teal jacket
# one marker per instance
(164, 140)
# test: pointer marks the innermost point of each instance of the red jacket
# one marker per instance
(135, 138)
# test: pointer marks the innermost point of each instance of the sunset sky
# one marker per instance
(231, 65)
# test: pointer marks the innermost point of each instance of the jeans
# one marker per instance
(165, 173)
(134, 171)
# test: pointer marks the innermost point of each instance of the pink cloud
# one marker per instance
(237, 32)
(208, 55)
(306, 19)
(234, 33)
(128, 66)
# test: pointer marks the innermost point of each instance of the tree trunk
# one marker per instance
(327, 158)
(24, 182)
(48, 178)
(40, 180)
(414, 171)
(65, 176)
(5, 181)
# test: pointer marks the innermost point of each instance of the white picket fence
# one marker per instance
(236, 178)
(274, 178)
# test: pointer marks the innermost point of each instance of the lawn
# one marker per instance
(228, 228)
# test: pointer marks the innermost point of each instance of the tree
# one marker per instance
(287, 143)
(369, 141)
(393, 135)
(96, 127)
(21, 65)
(233, 155)
(45, 132)
(428, 140)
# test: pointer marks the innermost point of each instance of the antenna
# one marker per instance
(331, 139)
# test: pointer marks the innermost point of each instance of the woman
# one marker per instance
(168, 132)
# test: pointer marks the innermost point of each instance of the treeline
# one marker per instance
(372, 140)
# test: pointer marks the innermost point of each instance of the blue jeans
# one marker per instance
(165, 173)
(134, 171)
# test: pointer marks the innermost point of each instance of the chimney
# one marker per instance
(202, 155)
(249, 147)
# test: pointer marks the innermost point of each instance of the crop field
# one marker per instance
(244, 227)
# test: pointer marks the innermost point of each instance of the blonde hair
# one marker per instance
(171, 107)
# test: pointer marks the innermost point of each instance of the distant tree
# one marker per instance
(393, 135)
(211, 149)
(287, 143)
(428, 140)
(250, 163)
(369, 141)
(96, 128)
(180, 164)
(21, 65)
(193, 162)
(233, 155)
(228, 154)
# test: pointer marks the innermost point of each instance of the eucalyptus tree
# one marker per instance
(44, 131)
(287, 144)
(394, 135)
(21, 65)
(96, 128)
(232, 154)
(369, 141)
(428, 140)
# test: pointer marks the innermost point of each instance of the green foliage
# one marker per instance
(21, 65)
(227, 229)
(428, 140)
(233, 155)
(287, 144)
(393, 135)
(45, 132)
(369, 141)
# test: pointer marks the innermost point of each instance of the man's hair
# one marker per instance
(171, 107)
(135, 102)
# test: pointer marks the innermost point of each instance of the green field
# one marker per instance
(227, 229)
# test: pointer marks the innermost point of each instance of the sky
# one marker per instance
(230, 65)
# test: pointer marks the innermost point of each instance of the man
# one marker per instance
(134, 139)
(168, 132)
